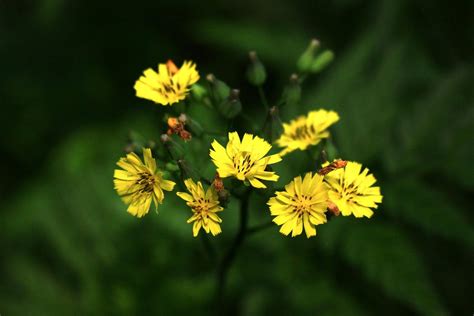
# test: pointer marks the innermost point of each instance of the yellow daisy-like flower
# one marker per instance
(204, 205)
(351, 190)
(169, 85)
(306, 130)
(302, 205)
(244, 160)
(139, 183)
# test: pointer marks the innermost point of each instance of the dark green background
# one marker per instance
(402, 82)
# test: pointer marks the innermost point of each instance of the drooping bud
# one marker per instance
(306, 59)
(292, 92)
(230, 107)
(256, 73)
(219, 90)
(273, 126)
(192, 125)
(322, 61)
(174, 149)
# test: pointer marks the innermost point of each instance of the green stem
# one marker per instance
(263, 98)
(260, 227)
(228, 259)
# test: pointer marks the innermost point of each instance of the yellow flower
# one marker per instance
(306, 130)
(244, 160)
(139, 183)
(352, 191)
(204, 205)
(302, 204)
(169, 85)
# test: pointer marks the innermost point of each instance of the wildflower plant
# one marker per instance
(241, 160)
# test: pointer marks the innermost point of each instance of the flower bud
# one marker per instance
(187, 172)
(223, 197)
(306, 59)
(171, 166)
(219, 90)
(256, 73)
(174, 149)
(292, 92)
(230, 107)
(322, 61)
(273, 126)
(331, 150)
(198, 92)
(192, 125)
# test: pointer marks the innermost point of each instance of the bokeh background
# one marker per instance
(402, 82)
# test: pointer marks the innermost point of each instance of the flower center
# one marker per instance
(303, 132)
(146, 182)
(242, 162)
(201, 206)
(302, 203)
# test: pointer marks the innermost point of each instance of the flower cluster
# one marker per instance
(330, 188)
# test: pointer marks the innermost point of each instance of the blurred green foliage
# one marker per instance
(401, 81)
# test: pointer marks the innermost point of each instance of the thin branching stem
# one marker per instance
(260, 227)
(226, 262)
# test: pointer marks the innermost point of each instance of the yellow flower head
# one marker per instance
(169, 85)
(139, 183)
(306, 130)
(352, 191)
(204, 206)
(302, 204)
(244, 160)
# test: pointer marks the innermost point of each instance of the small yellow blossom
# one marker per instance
(204, 206)
(306, 130)
(302, 205)
(169, 85)
(244, 160)
(139, 183)
(352, 191)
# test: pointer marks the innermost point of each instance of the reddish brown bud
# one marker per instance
(218, 183)
(333, 208)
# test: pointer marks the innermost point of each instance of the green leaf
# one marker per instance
(386, 257)
(429, 209)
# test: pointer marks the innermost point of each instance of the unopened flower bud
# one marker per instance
(256, 73)
(198, 92)
(331, 150)
(292, 92)
(306, 59)
(171, 166)
(322, 61)
(230, 107)
(223, 197)
(219, 90)
(187, 172)
(273, 126)
(192, 125)
(174, 149)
